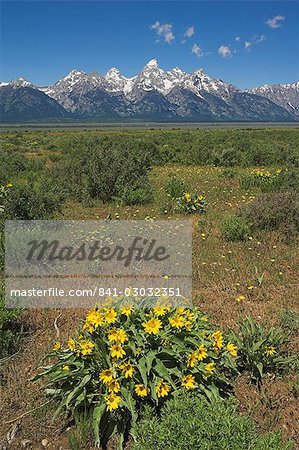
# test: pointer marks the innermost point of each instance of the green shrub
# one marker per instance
(234, 228)
(104, 167)
(290, 180)
(228, 174)
(260, 349)
(190, 422)
(137, 195)
(31, 201)
(175, 187)
(274, 211)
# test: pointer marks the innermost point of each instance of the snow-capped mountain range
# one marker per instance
(154, 94)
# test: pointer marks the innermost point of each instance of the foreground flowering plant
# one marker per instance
(124, 358)
(191, 203)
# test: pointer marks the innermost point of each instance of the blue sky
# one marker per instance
(246, 43)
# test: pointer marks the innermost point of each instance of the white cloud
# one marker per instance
(189, 32)
(247, 45)
(237, 38)
(196, 50)
(276, 21)
(224, 51)
(163, 32)
(258, 39)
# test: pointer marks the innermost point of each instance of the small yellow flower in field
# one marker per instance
(113, 386)
(127, 370)
(138, 350)
(141, 390)
(111, 316)
(57, 346)
(152, 326)
(250, 238)
(270, 350)
(112, 401)
(86, 347)
(180, 310)
(66, 368)
(240, 298)
(117, 351)
(209, 368)
(127, 309)
(188, 381)
(9, 185)
(160, 311)
(166, 277)
(177, 321)
(232, 349)
(71, 344)
(163, 389)
(204, 319)
(106, 376)
(250, 288)
(118, 336)
(187, 197)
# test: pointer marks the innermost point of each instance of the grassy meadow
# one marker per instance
(245, 264)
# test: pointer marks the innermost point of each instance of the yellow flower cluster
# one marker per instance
(121, 358)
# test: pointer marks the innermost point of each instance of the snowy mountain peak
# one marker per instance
(113, 73)
(152, 63)
(21, 82)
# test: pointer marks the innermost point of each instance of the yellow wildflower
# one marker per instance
(117, 351)
(201, 352)
(86, 347)
(232, 349)
(152, 326)
(112, 401)
(177, 321)
(113, 386)
(71, 344)
(270, 350)
(118, 336)
(209, 368)
(57, 346)
(218, 341)
(127, 309)
(163, 389)
(188, 381)
(240, 298)
(127, 370)
(160, 311)
(141, 390)
(110, 315)
(106, 376)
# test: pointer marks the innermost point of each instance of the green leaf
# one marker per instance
(161, 370)
(142, 367)
(130, 403)
(77, 389)
(96, 419)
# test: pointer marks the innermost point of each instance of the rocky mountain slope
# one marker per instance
(153, 94)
